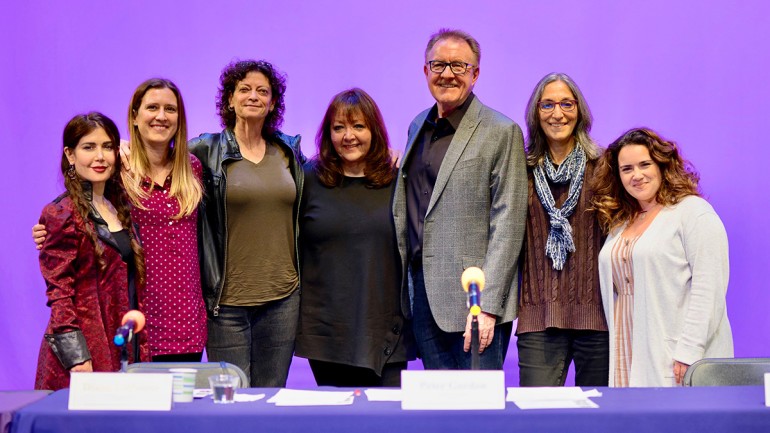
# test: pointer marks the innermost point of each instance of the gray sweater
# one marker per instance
(681, 269)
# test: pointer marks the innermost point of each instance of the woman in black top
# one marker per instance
(352, 324)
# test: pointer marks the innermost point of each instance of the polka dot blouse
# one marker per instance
(176, 314)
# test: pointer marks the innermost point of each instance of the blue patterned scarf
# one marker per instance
(572, 170)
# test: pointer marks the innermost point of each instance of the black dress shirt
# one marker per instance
(422, 170)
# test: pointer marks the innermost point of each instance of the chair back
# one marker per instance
(727, 372)
(204, 370)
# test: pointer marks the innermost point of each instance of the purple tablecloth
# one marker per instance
(708, 409)
(11, 401)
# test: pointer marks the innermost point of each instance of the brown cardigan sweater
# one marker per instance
(570, 298)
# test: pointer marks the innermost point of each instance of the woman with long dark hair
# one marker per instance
(91, 259)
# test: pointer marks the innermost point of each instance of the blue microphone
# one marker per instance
(133, 322)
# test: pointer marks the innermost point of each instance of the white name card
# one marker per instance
(120, 391)
(767, 389)
(452, 389)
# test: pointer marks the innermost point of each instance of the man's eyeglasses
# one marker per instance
(565, 105)
(457, 68)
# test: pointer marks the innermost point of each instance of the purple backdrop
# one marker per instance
(694, 71)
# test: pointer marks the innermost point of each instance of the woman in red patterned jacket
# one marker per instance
(91, 259)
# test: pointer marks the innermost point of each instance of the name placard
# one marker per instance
(120, 391)
(452, 389)
(767, 389)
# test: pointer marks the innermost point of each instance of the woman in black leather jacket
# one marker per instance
(248, 230)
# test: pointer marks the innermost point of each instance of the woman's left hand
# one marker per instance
(679, 370)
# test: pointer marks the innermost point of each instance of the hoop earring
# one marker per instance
(71, 172)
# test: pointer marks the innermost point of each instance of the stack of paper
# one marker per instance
(383, 394)
(296, 397)
(552, 398)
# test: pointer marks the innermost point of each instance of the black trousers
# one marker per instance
(179, 357)
(333, 374)
(544, 357)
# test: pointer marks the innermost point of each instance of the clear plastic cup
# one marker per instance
(223, 388)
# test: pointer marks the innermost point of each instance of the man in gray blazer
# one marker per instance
(460, 201)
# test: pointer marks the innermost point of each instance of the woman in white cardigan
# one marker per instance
(664, 267)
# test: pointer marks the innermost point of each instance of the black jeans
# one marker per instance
(179, 357)
(259, 340)
(545, 356)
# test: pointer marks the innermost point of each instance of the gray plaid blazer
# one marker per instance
(476, 216)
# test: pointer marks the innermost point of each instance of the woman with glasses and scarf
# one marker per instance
(560, 308)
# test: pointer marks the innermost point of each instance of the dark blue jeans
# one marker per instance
(544, 357)
(259, 340)
(441, 350)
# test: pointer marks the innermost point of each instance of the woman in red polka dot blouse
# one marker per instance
(165, 187)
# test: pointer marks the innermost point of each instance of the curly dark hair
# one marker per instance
(77, 128)
(379, 169)
(613, 204)
(237, 71)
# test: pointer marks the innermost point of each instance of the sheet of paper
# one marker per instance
(552, 397)
(296, 397)
(202, 392)
(241, 398)
(556, 404)
(379, 394)
(592, 393)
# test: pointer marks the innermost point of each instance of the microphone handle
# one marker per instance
(125, 333)
(475, 362)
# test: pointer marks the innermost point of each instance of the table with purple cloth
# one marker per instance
(631, 410)
(11, 401)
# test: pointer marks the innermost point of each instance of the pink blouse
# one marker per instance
(176, 314)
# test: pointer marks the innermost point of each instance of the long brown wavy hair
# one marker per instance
(379, 168)
(77, 128)
(613, 204)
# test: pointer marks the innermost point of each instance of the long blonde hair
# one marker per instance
(185, 187)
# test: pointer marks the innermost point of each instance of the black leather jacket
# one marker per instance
(214, 151)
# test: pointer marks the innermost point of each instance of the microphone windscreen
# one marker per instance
(137, 317)
(473, 275)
